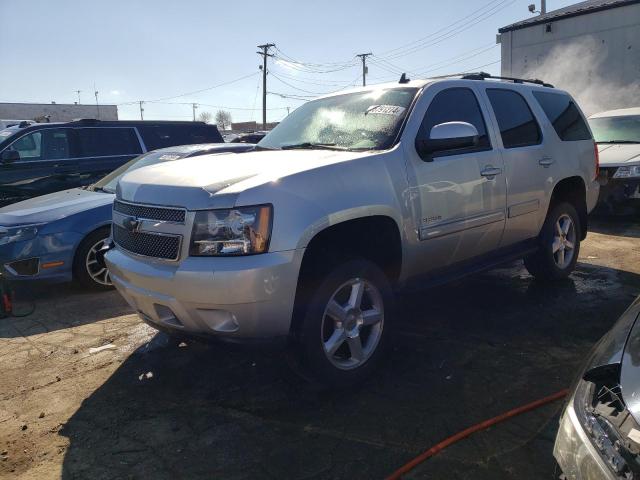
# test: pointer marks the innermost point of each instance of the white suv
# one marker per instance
(355, 195)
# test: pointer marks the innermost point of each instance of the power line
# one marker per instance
(194, 92)
(454, 32)
(447, 27)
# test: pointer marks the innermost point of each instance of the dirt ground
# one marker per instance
(148, 408)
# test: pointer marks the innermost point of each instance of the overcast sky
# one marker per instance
(156, 50)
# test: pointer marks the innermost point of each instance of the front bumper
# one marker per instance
(616, 191)
(574, 452)
(235, 298)
(55, 249)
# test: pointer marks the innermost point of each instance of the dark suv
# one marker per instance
(48, 157)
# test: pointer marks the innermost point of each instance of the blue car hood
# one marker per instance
(53, 206)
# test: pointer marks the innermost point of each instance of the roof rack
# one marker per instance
(485, 75)
(86, 120)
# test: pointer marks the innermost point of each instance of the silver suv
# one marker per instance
(355, 195)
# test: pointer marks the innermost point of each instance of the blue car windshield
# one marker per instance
(109, 183)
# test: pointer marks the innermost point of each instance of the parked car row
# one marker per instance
(55, 237)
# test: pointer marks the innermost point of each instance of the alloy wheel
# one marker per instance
(352, 324)
(564, 241)
(98, 273)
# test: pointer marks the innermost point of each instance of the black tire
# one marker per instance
(81, 273)
(544, 264)
(315, 328)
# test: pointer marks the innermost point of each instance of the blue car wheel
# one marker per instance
(87, 271)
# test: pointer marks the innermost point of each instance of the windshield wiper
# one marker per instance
(620, 141)
(312, 146)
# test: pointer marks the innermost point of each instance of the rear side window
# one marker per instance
(102, 142)
(564, 116)
(518, 126)
(161, 136)
(456, 105)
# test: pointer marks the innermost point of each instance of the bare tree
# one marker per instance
(223, 119)
(205, 117)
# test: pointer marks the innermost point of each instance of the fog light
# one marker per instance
(24, 268)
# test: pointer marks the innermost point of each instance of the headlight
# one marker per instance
(16, 234)
(627, 172)
(236, 231)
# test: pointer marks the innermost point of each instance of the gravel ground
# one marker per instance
(147, 408)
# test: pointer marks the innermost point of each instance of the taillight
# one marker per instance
(597, 154)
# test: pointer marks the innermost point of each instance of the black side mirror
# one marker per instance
(448, 136)
(10, 156)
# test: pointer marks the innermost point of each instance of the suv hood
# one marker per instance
(215, 182)
(618, 155)
(51, 207)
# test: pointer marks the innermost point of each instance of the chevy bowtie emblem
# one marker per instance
(132, 224)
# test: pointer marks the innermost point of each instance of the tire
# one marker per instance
(85, 272)
(559, 244)
(340, 338)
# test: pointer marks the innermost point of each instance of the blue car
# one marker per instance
(55, 237)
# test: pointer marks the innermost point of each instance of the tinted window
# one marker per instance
(564, 115)
(46, 144)
(162, 136)
(518, 126)
(456, 105)
(101, 142)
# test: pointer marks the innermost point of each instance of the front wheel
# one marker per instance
(559, 244)
(87, 271)
(346, 325)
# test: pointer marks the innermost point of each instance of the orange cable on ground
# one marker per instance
(407, 467)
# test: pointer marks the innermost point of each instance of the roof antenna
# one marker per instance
(404, 79)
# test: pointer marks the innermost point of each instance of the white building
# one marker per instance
(591, 48)
(56, 112)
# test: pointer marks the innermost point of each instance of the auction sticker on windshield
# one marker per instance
(386, 110)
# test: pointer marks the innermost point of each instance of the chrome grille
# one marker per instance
(162, 214)
(154, 245)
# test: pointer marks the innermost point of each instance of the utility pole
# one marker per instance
(288, 111)
(543, 7)
(97, 103)
(363, 57)
(194, 105)
(78, 92)
(265, 53)
(141, 102)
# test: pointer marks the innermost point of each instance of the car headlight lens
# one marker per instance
(627, 172)
(16, 234)
(235, 231)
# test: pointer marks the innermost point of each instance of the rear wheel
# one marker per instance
(87, 271)
(345, 328)
(560, 244)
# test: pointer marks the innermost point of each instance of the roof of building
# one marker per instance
(582, 8)
(621, 112)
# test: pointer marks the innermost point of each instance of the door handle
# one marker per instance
(490, 172)
(546, 162)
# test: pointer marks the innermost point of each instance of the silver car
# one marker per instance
(599, 434)
(351, 197)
